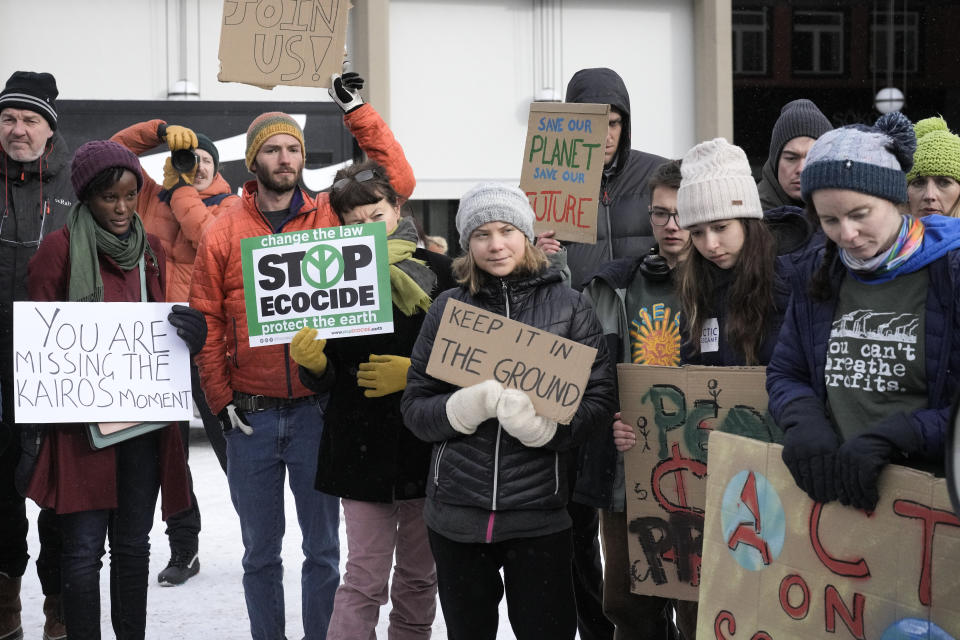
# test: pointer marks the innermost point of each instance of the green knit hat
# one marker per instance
(270, 124)
(938, 150)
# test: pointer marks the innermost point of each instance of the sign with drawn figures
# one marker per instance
(99, 362)
(563, 166)
(292, 42)
(778, 565)
(333, 279)
(674, 410)
(473, 345)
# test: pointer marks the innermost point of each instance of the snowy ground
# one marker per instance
(210, 605)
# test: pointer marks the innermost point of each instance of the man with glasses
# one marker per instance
(623, 231)
(639, 309)
(277, 422)
(37, 196)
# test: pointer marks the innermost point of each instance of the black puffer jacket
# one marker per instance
(490, 470)
(623, 226)
(365, 451)
(36, 196)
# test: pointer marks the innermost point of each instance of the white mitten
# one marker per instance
(517, 415)
(470, 406)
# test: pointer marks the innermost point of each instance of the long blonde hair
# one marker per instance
(469, 275)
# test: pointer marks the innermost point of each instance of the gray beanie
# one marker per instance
(716, 185)
(493, 202)
(797, 118)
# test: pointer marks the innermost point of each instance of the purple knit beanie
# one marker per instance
(97, 155)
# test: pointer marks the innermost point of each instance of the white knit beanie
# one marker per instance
(716, 184)
(493, 202)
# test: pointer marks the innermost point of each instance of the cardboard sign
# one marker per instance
(563, 166)
(473, 345)
(99, 362)
(778, 565)
(292, 42)
(674, 410)
(334, 279)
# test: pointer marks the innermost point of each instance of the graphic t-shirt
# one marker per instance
(875, 355)
(653, 315)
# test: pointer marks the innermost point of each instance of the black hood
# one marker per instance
(790, 228)
(604, 86)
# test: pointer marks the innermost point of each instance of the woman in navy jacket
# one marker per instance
(869, 356)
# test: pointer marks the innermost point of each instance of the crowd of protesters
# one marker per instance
(461, 493)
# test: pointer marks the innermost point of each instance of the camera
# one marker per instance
(183, 160)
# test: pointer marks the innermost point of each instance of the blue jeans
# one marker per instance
(284, 439)
(128, 527)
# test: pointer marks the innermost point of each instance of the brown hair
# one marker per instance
(666, 175)
(347, 194)
(469, 275)
(750, 301)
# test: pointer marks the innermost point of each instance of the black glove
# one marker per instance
(191, 326)
(861, 459)
(228, 422)
(345, 90)
(810, 445)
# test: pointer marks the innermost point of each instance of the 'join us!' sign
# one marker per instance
(335, 280)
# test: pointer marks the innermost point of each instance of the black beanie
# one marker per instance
(205, 143)
(798, 118)
(35, 92)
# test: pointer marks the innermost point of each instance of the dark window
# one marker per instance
(750, 29)
(818, 42)
(901, 29)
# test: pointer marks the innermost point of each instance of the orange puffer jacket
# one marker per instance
(179, 224)
(227, 362)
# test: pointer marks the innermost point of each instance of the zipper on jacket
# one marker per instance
(436, 467)
(556, 473)
(236, 344)
(496, 449)
(286, 362)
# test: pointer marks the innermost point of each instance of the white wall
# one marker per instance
(462, 79)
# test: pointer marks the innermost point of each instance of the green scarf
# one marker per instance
(409, 278)
(87, 238)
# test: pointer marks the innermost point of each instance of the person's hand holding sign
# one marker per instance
(383, 375)
(517, 415)
(308, 352)
(345, 90)
(548, 243)
(624, 436)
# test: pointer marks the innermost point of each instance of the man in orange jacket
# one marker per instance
(278, 420)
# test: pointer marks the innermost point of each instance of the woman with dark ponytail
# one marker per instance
(869, 354)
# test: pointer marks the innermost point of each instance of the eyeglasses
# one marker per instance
(364, 176)
(28, 243)
(660, 216)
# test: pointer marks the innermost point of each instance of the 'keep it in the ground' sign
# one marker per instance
(335, 280)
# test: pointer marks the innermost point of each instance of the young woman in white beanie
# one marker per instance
(497, 490)
(732, 298)
(868, 359)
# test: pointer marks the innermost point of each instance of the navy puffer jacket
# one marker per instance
(490, 469)
(797, 367)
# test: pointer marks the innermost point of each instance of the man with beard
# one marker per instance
(37, 196)
(272, 422)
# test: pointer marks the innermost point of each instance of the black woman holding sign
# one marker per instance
(103, 254)
(367, 457)
(498, 484)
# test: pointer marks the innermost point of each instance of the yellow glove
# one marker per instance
(181, 138)
(308, 352)
(383, 375)
(173, 178)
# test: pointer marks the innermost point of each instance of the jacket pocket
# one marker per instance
(436, 465)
